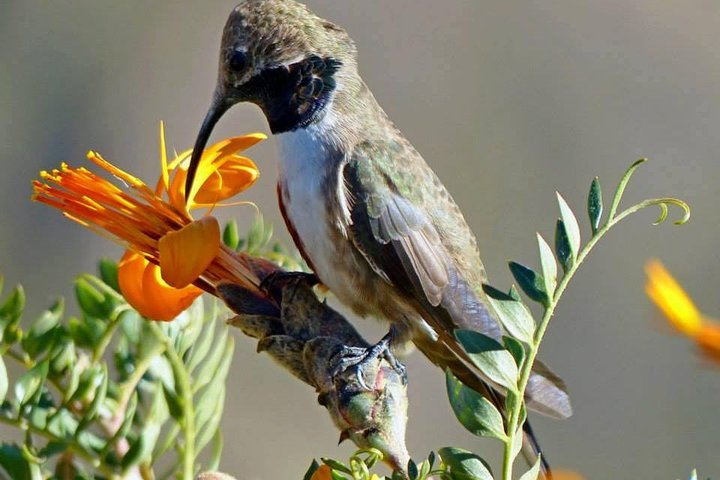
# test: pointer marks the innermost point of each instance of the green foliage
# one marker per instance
(509, 365)
(108, 394)
(474, 411)
(454, 464)
(258, 243)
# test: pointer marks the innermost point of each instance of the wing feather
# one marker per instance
(402, 244)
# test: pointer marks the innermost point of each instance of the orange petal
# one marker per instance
(216, 155)
(130, 273)
(164, 302)
(234, 176)
(186, 253)
(146, 292)
(322, 473)
(164, 172)
(669, 296)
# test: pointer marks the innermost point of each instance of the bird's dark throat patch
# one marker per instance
(292, 96)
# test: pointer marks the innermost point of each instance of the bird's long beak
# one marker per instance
(219, 106)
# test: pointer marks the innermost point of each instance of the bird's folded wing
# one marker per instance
(403, 246)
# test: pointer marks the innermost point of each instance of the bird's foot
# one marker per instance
(361, 359)
(275, 283)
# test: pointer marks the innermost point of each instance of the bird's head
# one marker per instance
(280, 56)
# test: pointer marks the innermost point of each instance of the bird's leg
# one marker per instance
(360, 359)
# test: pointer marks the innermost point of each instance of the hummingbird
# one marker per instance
(370, 217)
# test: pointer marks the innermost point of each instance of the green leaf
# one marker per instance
(473, 411)
(336, 465)
(231, 238)
(548, 266)
(571, 224)
(397, 476)
(192, 326)
(531, 282)
(62, 424)
(13, 462)
(517, 444)
(98, 398)
(534, 472)
(311, 470)
(43, 332)
(10, 313)
(513, 314)
(563, 249)
(86, 332)
(142, 447)
(216, 448)
(62, 356)
(208, 367)
(209, 406)
(595, 205)
(210, 426)
(3, 380)
(52, 448)
(125, 426)
(621, 187)
(174, 403)
(92, 301)
(29, 385)
(490, 357)
(464, 465)
(425, 468)
(90, 380)
(412, 470)
(255, 235)
(200, 348)
(109, 273)
(516, 349)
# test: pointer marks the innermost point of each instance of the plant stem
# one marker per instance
(184, 388)
(106, 338)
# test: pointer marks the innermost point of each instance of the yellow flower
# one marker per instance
(670, 297)
(680, 310)
(167, 249)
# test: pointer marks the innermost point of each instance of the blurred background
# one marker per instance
(508, 102)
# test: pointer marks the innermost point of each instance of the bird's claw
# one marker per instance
(360, 360)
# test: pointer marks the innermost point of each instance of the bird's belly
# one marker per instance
(333, 257)
(322, 243)
(311, 213)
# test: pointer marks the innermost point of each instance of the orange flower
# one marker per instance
(680, 310)
(566, 475)
(167, 249)
(323, 472)
(186, 253)
(221, 173)
(670, 297)
(143, 288)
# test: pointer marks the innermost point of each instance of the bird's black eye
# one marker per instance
(237, 60)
